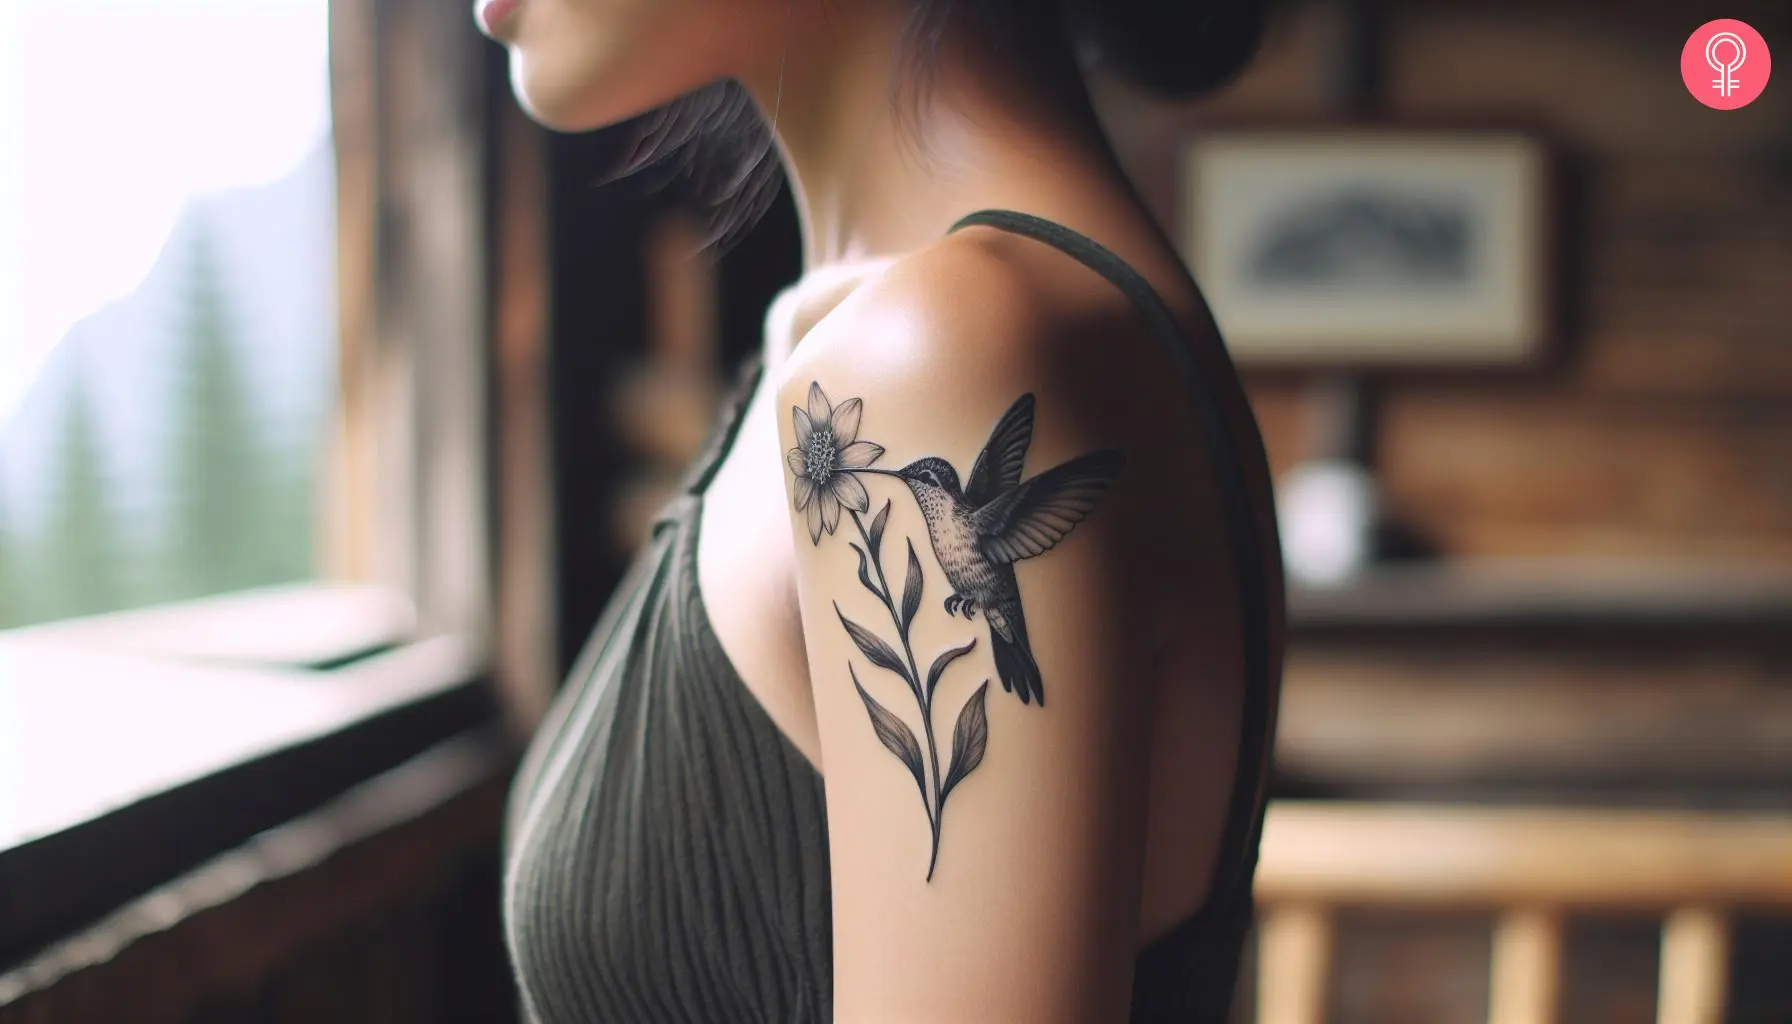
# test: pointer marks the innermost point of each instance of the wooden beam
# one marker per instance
(1525, 976)
(1559, 594)
(348, 535)
(433, 313)
(1294, 945)
(407, 483)
(1695, 967)
(526, 572)
(1450, 855)
(1377, 715)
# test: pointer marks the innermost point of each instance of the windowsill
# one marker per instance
(134, 747)
(302, 625)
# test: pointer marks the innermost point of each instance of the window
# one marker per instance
(244, 328)
(168, 356)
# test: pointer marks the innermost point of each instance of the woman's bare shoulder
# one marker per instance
(964, 311)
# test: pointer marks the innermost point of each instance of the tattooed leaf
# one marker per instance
(878, 522)
(893, 733)
(946, 658)
(911, 589)
(881, 654)
(970, 738)
(865, 571)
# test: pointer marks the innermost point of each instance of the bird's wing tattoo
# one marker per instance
(1039, 513)
(998, 465)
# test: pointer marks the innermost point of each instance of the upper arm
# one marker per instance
(1025, 910)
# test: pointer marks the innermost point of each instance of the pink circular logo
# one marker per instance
(1725, 64)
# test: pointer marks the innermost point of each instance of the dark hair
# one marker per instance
(1177, 48)
(1171, 48)
(716, 138)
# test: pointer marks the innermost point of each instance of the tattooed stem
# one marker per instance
(978, 529)
(877, 563)
(933, 797)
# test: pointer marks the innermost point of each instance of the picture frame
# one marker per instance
(1372, 246)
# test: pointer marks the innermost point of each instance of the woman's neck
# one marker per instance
(868, 185)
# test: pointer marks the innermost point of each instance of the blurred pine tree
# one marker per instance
(286, 509)
(12, 571)
(219, 525)
(80, 553)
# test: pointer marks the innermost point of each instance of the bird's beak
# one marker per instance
(881, 472)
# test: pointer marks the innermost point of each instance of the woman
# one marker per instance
(986, 543)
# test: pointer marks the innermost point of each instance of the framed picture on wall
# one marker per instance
(1372, 247)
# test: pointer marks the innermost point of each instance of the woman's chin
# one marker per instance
(550, 100)
(570, 102)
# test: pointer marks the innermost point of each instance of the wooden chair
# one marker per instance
(1532, 867)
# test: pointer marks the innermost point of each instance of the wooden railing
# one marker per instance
(1531, 867)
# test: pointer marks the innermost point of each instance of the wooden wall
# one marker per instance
(1667, 429)
(1664, 431)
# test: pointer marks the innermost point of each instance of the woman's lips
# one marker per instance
(492, 14)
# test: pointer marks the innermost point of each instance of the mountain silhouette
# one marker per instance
(275, 245)
(1363, 237)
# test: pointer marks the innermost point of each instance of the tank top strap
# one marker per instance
(1243, 820)
(727, 426)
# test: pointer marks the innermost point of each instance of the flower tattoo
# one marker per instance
(827, 451)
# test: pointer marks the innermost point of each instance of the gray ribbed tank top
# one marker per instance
(666, 852)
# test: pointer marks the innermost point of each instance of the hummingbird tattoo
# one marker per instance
(996, 519)
(978, 531)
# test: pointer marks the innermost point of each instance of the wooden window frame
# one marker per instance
(416, 634)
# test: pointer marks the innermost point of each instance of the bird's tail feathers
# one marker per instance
(1017, 669)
